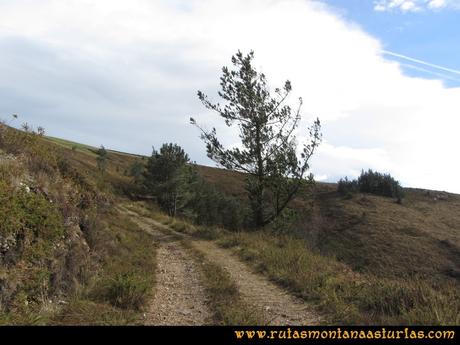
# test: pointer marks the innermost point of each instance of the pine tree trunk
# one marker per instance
(259, 214)
(175, 205)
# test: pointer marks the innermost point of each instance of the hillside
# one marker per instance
(67, 256)
(371, 233)
(360, 260)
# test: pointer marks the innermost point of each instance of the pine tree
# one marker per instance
(169, 176)
(101, 159)
(267, 131)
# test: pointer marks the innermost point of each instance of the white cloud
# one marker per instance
(125, 74)
(437, 4)
(321, 177)
(414, 5)
(403, 5)
(342, 161)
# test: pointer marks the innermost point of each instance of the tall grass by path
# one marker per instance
(120, 291)
(345, 296)
(226, 303)
(342, 295)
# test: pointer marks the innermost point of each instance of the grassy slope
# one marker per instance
(126, 254)
(83, 158)
(374, 234)
(113, 279)
(362, 260)
(123, 284)
(367, 239)
(342, 296)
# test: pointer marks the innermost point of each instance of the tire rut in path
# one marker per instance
(179, 298)
(278, 306)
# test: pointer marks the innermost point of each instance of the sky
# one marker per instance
(382, 76)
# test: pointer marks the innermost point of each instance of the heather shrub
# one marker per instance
(127, 290)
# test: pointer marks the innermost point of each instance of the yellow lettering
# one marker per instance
(261, 334)
(239, 334)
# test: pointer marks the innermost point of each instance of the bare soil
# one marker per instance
(180, 298)
(276, 305)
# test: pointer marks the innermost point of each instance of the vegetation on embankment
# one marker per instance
(66, 255)
(125, 277)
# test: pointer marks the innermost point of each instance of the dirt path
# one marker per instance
(179, 297)
(276, 305)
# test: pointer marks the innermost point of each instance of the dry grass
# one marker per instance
(349, 255)
(229, 182)
(83, 159)
(343, 295)
(69, 258)
(364, 260)
(226, 302)
(371, 234)
(125, 279)
(375, 235)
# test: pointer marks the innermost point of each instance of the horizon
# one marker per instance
(382, 76)
(215, 166)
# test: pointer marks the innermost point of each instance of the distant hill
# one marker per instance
(369, 233)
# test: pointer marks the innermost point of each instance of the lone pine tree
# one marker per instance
(266, 125)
